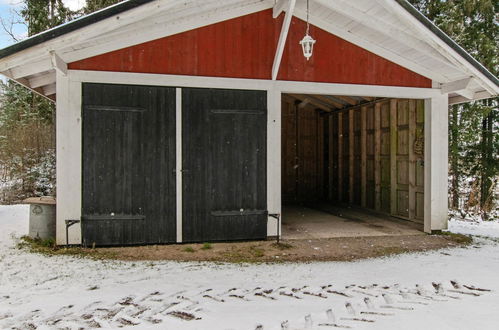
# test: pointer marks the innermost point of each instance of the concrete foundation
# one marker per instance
(300, 222)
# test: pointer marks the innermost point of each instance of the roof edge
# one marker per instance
(448, 40)
(71, 26)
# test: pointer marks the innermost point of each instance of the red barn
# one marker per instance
(193, 121)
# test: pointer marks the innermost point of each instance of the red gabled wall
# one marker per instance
(244, 47)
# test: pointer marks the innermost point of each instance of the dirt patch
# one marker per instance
(334, 249)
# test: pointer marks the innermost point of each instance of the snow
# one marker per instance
(475, 228)
(66, 292)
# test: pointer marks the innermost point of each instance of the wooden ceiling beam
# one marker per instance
(306, 99)
(330, 101)
(347, 99)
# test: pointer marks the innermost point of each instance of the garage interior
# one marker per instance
(351, 166)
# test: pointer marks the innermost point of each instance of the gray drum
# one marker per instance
(41, 217)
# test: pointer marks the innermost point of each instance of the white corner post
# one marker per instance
(68, 158)
(273, 159)
(436, 163)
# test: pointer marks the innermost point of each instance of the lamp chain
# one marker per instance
(308, 24)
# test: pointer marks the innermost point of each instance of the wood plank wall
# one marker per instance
(377, 152)
(369, 156)
(303, 154)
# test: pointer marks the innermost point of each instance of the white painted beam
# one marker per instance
(279, 7)
(477, 96)
(30, 69)
(293, 87)
(436, 163)
(25, 83)
(282, 38)
(459, 87)
(46, 79)
(58, 64)
(49, 89)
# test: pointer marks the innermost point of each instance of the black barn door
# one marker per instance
(128, 165)
(224, 158)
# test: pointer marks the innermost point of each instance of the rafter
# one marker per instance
(42, 80)
(279, 7)
(282, 38)
(307, 99)
(330, 100)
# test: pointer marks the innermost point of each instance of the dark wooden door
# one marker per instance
(128, 165)
(224, 159)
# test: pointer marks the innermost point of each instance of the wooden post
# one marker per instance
(340, 156)
(377, 154)
(393, 157)
(363, 155)
(351, 156)
(68, 158)
(436, 163)
(412, 160)
(331, 158)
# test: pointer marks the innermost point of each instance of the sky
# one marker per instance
(8, 13)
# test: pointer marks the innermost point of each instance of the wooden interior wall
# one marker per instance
(376, 157)
(303, 154)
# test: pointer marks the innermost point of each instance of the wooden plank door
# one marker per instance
(129, 192)
(407, 159)
(224, 157)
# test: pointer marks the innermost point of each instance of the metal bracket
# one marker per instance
(277, 216)
(69, 223)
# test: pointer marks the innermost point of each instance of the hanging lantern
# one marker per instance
(307, 43)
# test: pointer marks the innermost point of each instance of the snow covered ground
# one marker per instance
(395, 293)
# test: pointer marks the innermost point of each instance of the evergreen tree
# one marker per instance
(473, 131)
(27, 143)
(93, 5)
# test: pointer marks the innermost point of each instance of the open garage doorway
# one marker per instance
(351, 166)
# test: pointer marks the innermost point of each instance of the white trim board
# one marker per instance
(252, 84)
(178, 167)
